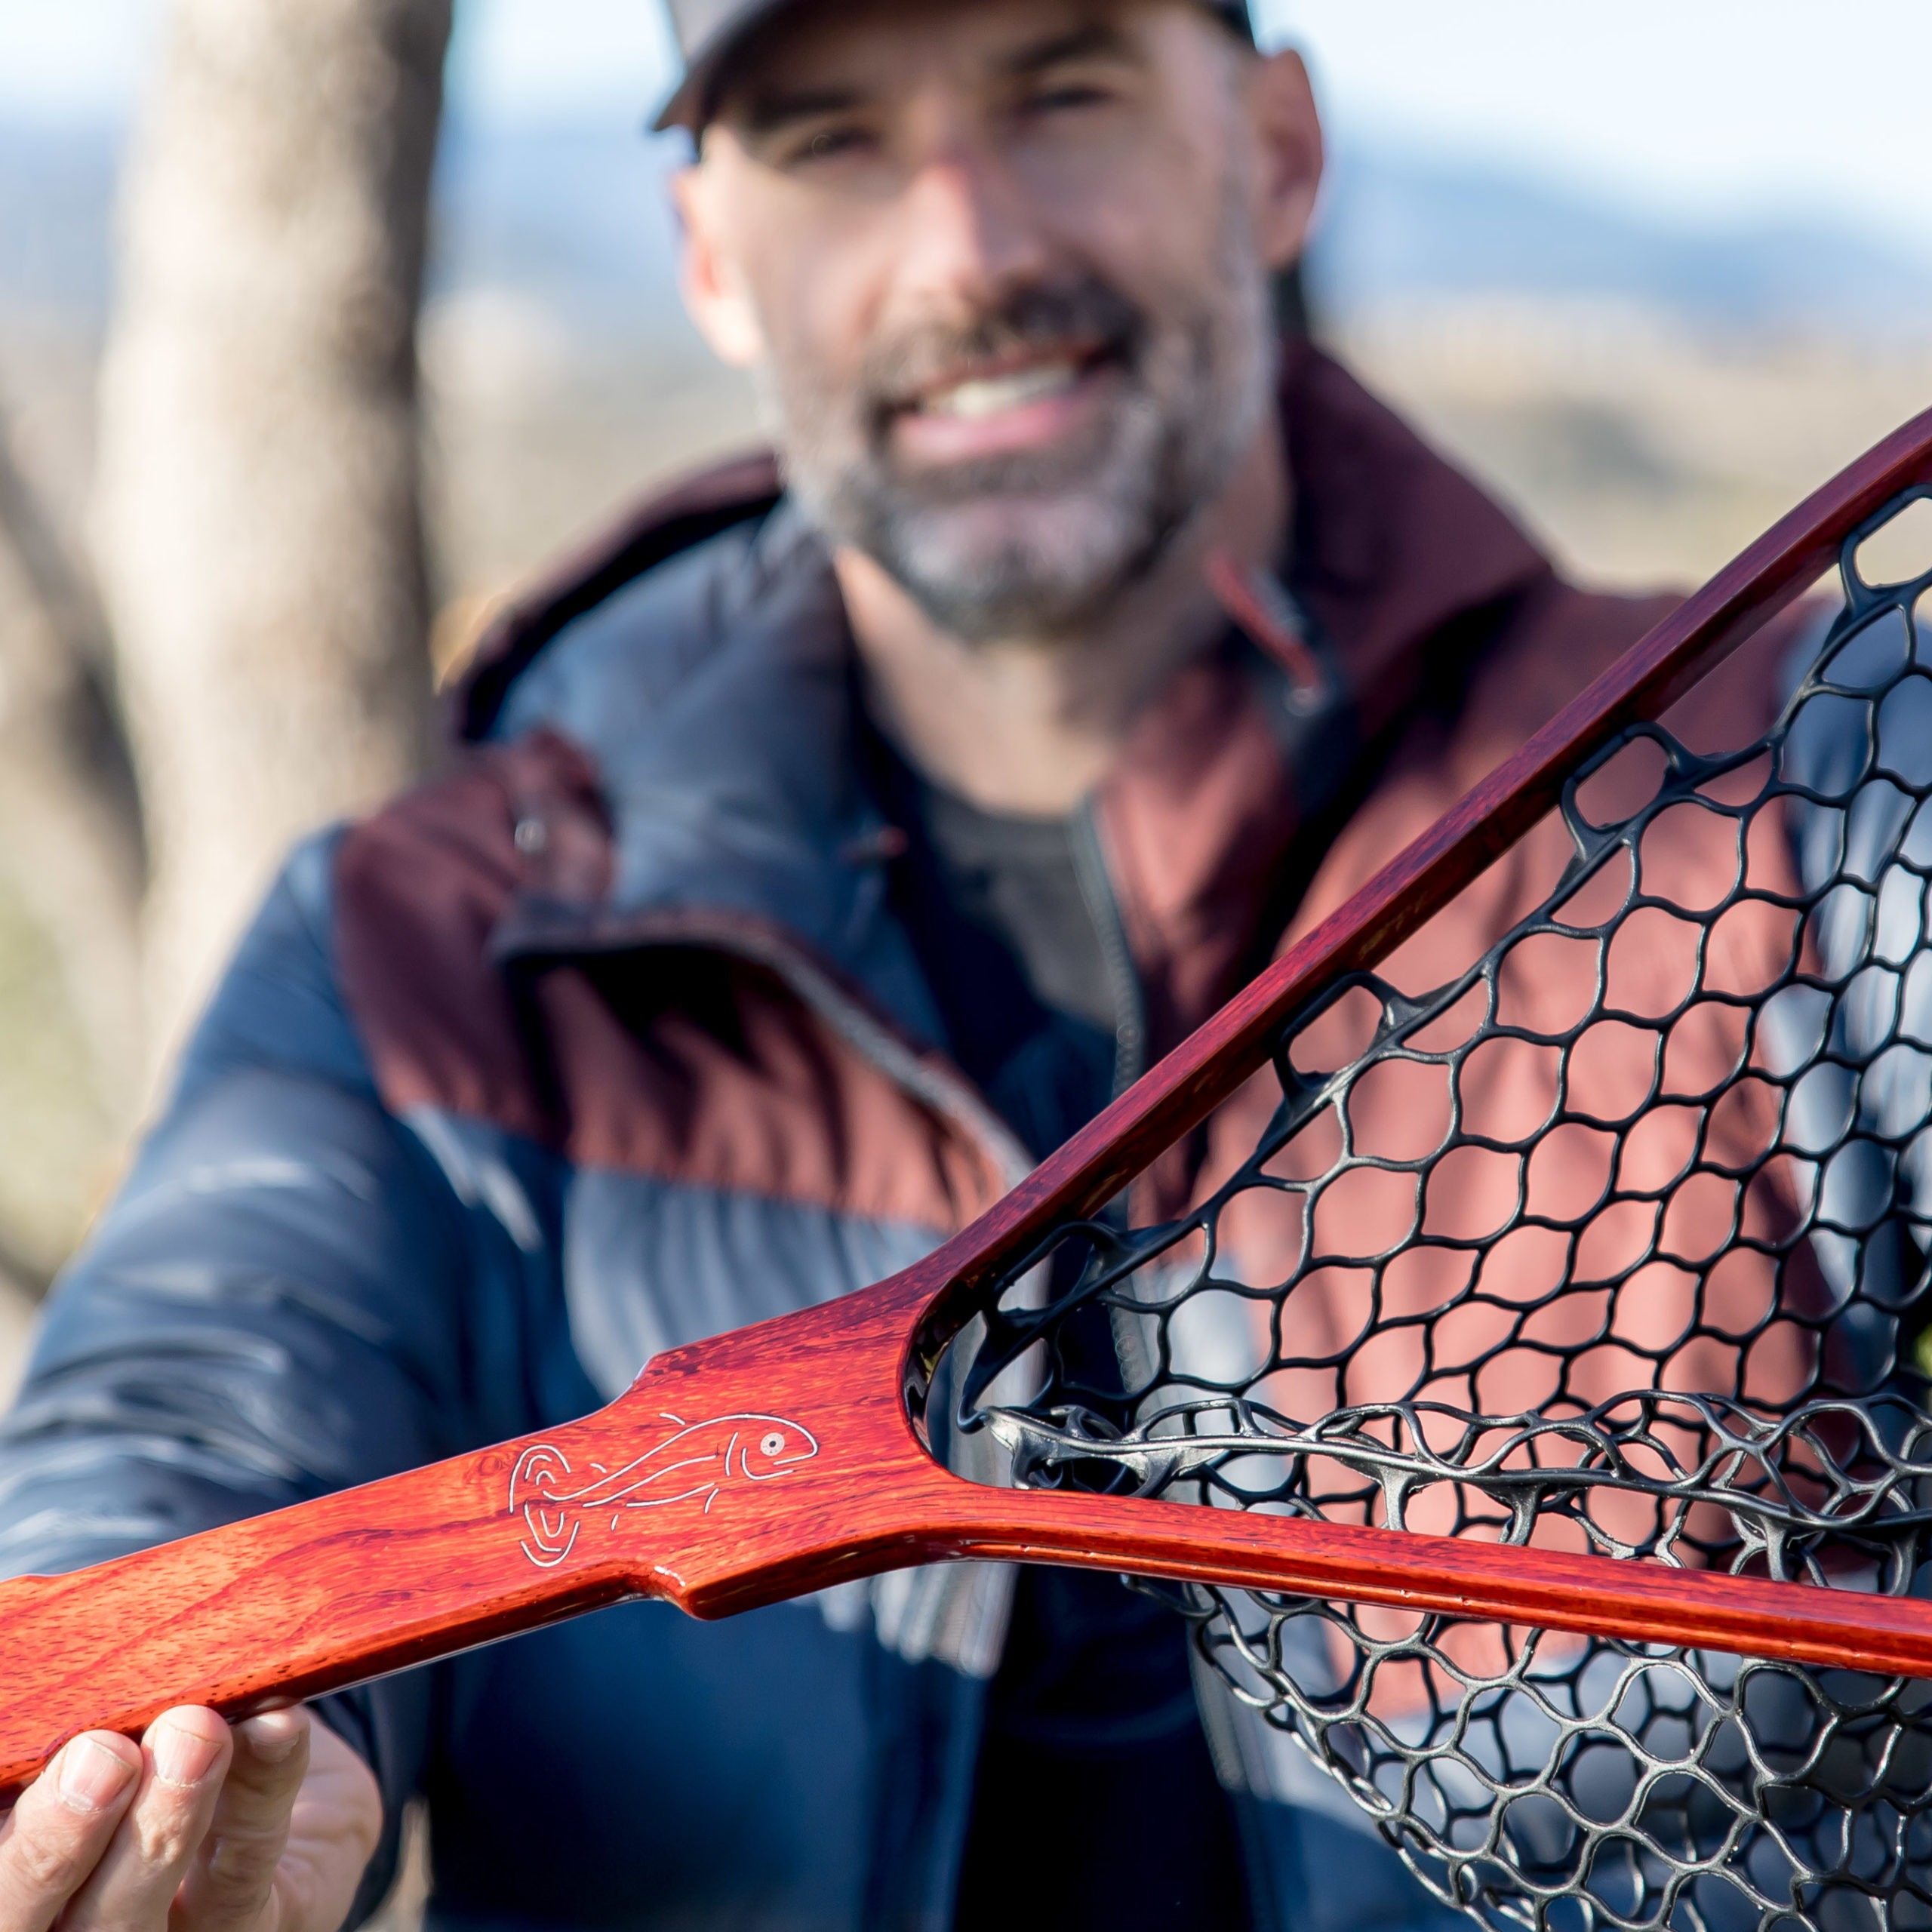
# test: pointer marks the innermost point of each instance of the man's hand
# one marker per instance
(263, 1828)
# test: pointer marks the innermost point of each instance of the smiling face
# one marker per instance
(1002, 267)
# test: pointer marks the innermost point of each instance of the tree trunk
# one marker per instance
(257, 516)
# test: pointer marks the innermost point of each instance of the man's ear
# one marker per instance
(1287, 130)
(714, 292)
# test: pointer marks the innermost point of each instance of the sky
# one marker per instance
(1688, 111)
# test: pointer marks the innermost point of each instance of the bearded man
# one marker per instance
(836, 839)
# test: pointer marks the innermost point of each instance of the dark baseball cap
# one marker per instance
(709, 32)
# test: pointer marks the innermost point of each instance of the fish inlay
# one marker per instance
(692, 1464)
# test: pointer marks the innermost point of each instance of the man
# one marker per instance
(823, 855)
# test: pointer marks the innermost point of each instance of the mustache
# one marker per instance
(1088, 316)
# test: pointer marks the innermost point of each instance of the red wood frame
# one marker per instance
(785, 1456)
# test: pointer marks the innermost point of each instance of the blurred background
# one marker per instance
(1653, 271)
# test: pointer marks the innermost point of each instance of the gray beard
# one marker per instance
(1038, 546)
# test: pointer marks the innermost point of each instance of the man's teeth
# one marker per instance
(988, 396)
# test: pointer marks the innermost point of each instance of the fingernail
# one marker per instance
(274, 1735)
(181, 1756)
(91, 1777)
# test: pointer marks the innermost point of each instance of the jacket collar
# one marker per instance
(1393, 544)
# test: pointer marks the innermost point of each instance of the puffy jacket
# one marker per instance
(608, 1040)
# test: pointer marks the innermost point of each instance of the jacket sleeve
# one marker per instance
(268, 1310)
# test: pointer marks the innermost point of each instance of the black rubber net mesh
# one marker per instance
(1616, 1242)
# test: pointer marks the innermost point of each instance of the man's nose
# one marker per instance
(967, 232)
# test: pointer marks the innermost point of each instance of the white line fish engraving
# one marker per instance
(696, 1461)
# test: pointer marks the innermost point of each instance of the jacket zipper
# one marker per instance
(1096, 887)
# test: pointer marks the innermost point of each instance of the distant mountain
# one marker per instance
(578, 219)
(1408, 227)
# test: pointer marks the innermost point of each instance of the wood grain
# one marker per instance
(783, 1458)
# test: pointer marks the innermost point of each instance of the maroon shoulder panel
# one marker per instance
(420, 889)
(655, 1051)
(707, 1068)
(1564, 639)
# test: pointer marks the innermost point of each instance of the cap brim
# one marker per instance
(691, 100)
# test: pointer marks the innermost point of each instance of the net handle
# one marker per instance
(1178, 1092)
(787, 1465)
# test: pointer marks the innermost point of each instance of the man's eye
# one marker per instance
(833, 144)
(1065, 97)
